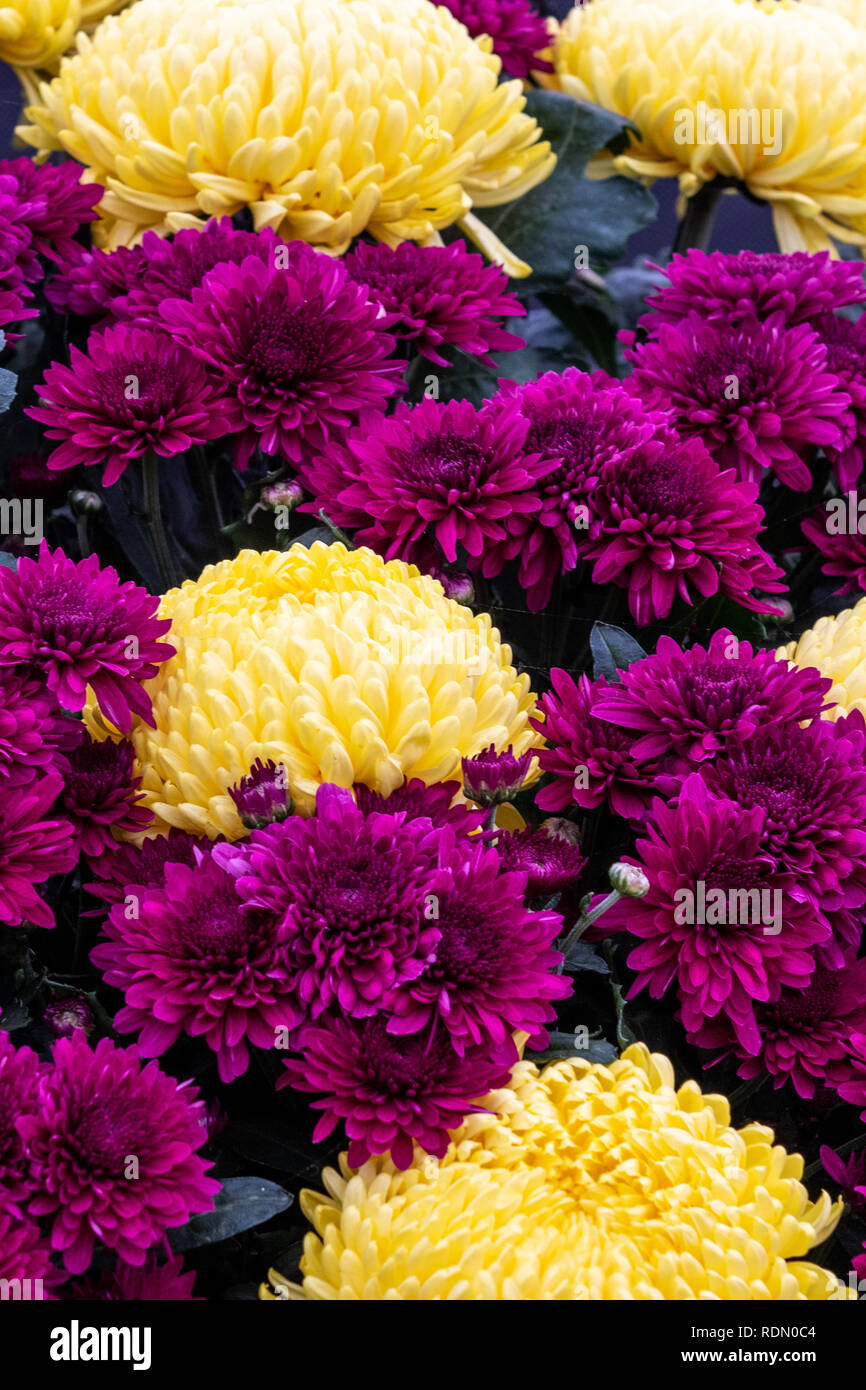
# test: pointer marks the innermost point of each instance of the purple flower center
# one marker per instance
(665, 487)
(60, 607)
(401, 1067)
(468, 948)
(105, 1136)
(285, 344)
(213, 928)
(446, 460)
(144, 389)
(800, 1008)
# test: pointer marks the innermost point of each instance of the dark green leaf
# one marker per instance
(8, 386)
(10, 561)
(14, 1016)
(243, 1203)
(565, 1045)
(569, 210)
(613, 650)
(583, 957)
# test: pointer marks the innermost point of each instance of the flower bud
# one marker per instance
(629, 880)
(63, 1016)
(283, 494)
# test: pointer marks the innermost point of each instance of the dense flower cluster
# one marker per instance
(40, 211)
(565, 1192)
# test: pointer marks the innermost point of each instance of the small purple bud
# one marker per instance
(63, 1016)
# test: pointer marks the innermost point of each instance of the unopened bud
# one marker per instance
(85, 503)
(283, 494)
(64, 1016)
(558, 828)
(628, 880)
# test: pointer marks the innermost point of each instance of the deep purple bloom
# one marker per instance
(33, 846)
(804, 1032)
(63, 1016)
(19, 1095)
(490, 777)
(693, 703)
(666, 523)
(34, 734)
(518, 31)
(57, 204)
(850, 1174)
(262, 796)
(758, 395)
(98, 1110)
(24, 1251)
(724, 957)
(551, 862)
(415, 798)
(191, 960)
(725, 289)
(352, 891)
(845, 343)
(298, 346)
(585, 423)
(19, 264)
(842, 546)
(437, 296)
(77, 624)
(139, 866)
(393, 1092)
(592, 761)
(465, 474)
(492, 971)
(133, 391)
(97, 283)
(101, 794)
(854, 1091)
(155, 1281)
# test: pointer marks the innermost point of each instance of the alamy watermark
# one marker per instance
(22, 516)
(717, 907)
(711, 125)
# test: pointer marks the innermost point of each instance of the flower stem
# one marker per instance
(153, 517)
(336, 531)
(586, 919)
(696, 228)
(624, 1035)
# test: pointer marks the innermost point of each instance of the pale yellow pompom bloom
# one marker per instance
(342, 666)
(837, 647)
(787, 80)
(325, 117)
(36, 33)
(592, 1182)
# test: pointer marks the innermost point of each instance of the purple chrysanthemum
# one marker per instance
(139, 866)
(551, 862)
(811, 783)
(262, 796)
(393, 1092)
(57, 204)
(19, 264)
(101, 794)
(95, 285)
(437, 296)
(24, 1251)
(492, 971)
(804, 1032)
(693, 703)
(13, 308)
(298, 345)
(415, 798)
(518, 31)
(63, 1016)
(351, 891)
(99, 1110)
(153, 1282)
(585, 423)
(854, 1091)
(19, 1095)
(850, 1174)
(33, 846)
(34, 734)
(591, 760)
(464, 473)
(845, 343)
(490, 777)
(194, 961)
(757, 395)
(725, 952)
(666, 523)
(133, 391)
(77, 624)
(842, 545)
(730, 289)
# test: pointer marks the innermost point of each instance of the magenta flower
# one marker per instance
(193, 961)
(152, 1282)
(77, 624)
(100, 1109)
(299, 348)
(518, 31)
(416, 799)
(393, 1092)
(491, 974)
(33, 846)
(845, 344)
(101, 794)
(585, 423)
(850, 1174)
(56, 204)
(804, 1032)
(437, 296)
(24, 1251)
(757, 395)
(694, 703)
(96, 284)
(843, 548)
(63, 1016)
(139, 866)
(262, 796)
(33, 731)
(854, 1090)
(591, 760)
(551, 862)
(724, 289)
(665, 523)
(134, 391)
(351, 891)
(19, 264)
(19, 1095)
(13, 308)
(464, 473)
(490, 777)
(723, 957)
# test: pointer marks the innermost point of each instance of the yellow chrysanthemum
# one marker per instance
(785, 79)
(36, 33)
(837, 647)
(325, 117)
(342, 666)
(592, 1182)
